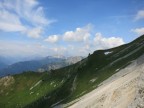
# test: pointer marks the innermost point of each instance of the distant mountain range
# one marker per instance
(2, 65)
(41, 65)
(61, 63)
(3, 62)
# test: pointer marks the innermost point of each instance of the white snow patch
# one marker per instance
(62, 81)
(36, 84)
(31, 93)
(108, 52)
(83, 92)
(52, 83)
(93, 80)
(55, 85)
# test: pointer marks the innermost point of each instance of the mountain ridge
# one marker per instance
(40, 65)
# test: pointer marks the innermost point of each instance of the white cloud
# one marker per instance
(140, 15)
(16, 49)
(59, 49)
(82, 41)
(10, 22)
(25, 16)
(29, 49)
(31, 11)
(80, 34)
(52, 39)
(34, 33)
(139, 31)
(102, 42)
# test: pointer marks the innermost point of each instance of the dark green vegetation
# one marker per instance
(45, 90)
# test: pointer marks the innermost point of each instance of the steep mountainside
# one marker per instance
(124, 89)
(64, 87)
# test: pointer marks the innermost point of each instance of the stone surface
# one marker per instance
(124, 89)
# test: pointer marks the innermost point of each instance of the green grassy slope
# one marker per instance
(27, 87)
(66, 84)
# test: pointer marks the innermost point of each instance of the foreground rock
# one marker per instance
(124, 89)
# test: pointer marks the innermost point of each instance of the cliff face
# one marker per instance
(124, 89)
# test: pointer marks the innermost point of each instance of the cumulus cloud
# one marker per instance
(140, 15)
(52, 39)
(101, 42)
(80, 34)
(138, 31)
(23, 16)
(82, 41)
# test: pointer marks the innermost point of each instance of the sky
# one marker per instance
(38, 28)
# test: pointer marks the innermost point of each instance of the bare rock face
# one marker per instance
(138, 102)
(124, 89)
(5, 84)
(72, 60)
(6, 81)
(66, 61)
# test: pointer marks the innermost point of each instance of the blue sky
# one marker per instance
(32, 28)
